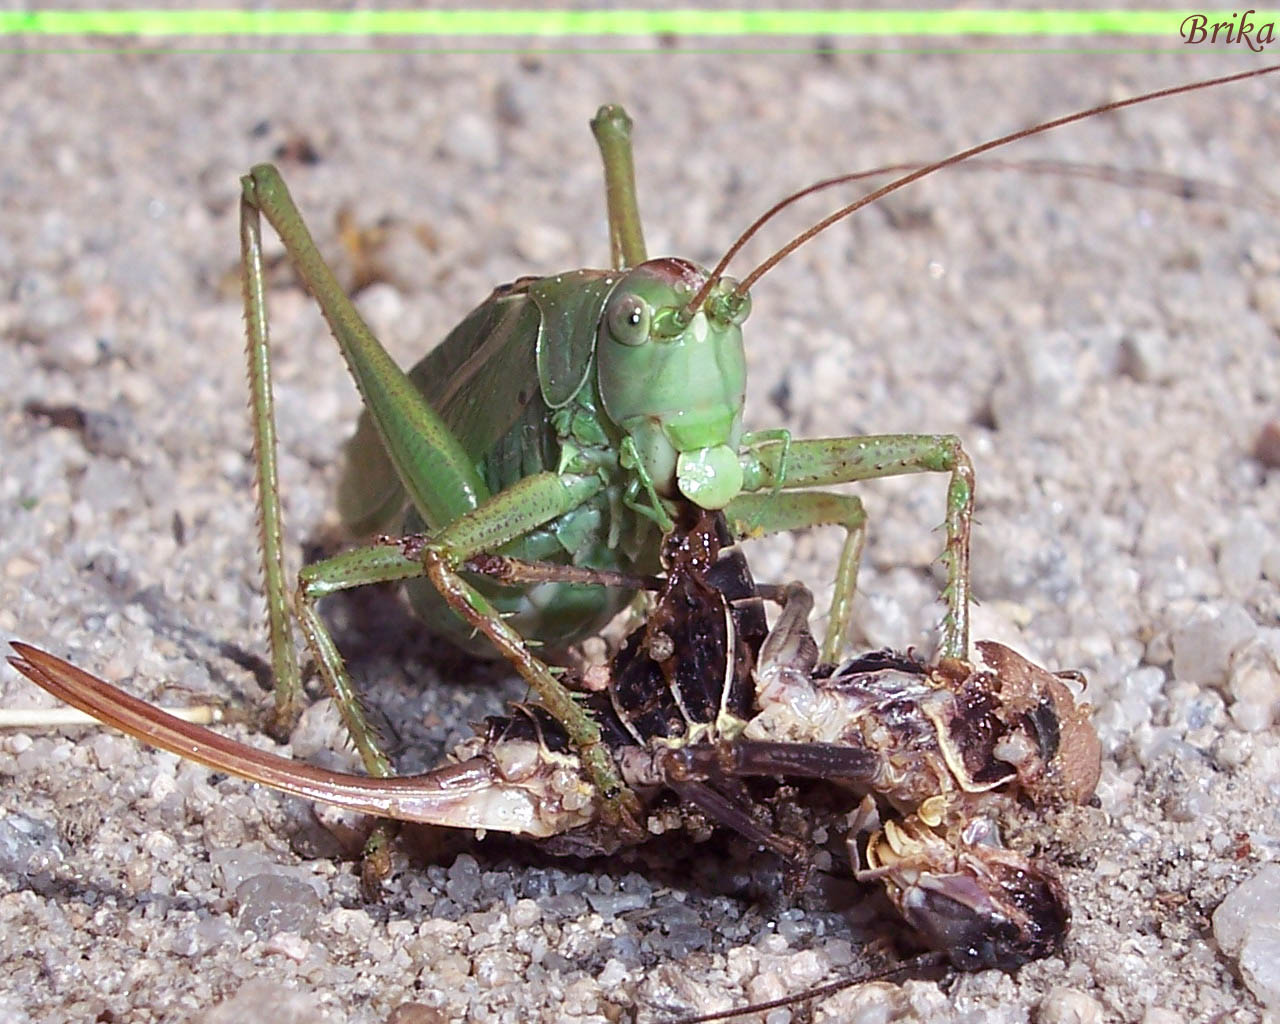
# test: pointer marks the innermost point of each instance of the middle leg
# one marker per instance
(777, 465)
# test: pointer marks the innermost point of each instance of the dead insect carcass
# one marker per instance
(702, 700)
(940, 748)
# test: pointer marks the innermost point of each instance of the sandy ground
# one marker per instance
(1108, 353)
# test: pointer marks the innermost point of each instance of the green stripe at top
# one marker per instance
(564, 23)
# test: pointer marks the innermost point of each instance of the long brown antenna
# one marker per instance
(923, 961)
(921, 171)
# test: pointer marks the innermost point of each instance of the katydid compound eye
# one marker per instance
(628, 320)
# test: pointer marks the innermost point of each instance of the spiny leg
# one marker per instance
(519, 571)
(361, 567)
(284, 661)
(511, 513)
(612, 129)
(817, 463)
(386, 562)
(439, 476)
(621, 807)
(284, 658)
(378, 563)
(755, 515)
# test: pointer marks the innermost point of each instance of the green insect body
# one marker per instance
(603, 388)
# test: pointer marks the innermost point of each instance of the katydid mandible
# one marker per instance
(564, 421)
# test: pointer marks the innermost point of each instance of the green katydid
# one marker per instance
(562, 422)
(637, 404)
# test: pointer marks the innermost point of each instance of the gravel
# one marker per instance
(1108, 354)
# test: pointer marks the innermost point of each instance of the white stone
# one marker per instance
(1247, 927)
(1069, 1006)
(1204, 644)
(1240, 555)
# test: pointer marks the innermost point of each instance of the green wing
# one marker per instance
(487, 380)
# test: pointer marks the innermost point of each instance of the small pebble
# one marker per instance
(513, 101)
(110, 433)
(276, 903)
(1265, 298)
(186, 942)
(1144, 356)
(262, 998)
(472, 139)
(625, 948)
(1204, 644)
(1240, 555)
(1246, 926)
(416, 1013)
(525, 913)
(1191, 802)
(319, 728)
(1231, 750)
(27, 845)
(110, 749)
(1255, 683)
(613, 974)
(610, 906)
(1253, 901)
(288, 944)
(463, 883)
(236, 865)
(1260, 963)
(1266, 449)
(1271, 564)
(566, 906)
(1069, 1006)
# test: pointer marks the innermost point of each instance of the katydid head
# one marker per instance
(968, 896)
(675, 382)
